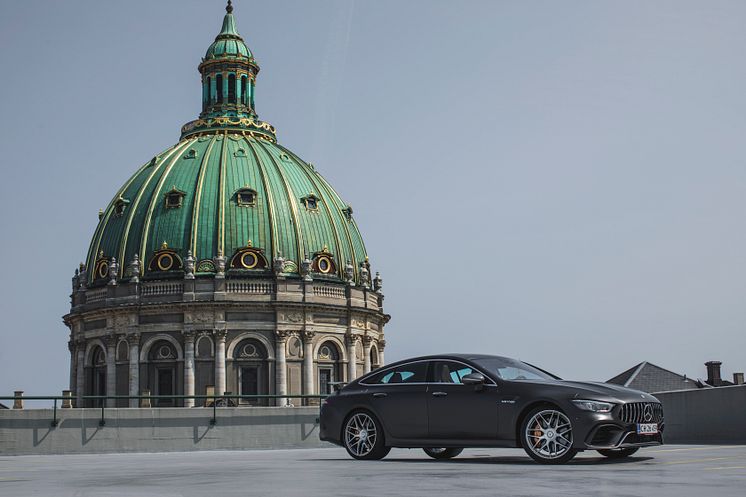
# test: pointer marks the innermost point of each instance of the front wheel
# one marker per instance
(442, 452)
(363, 437)
(546, 436)
(618, 453)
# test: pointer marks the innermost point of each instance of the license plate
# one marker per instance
(647, 428)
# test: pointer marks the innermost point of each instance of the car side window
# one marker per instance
(415, 372)
(449, 372)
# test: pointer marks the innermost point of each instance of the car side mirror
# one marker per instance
(476, 379)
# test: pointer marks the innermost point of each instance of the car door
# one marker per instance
(398, 397)
(457, 411)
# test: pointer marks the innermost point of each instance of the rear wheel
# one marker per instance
(546, 436)
(442, 452)
(618, 453)
(363, 437)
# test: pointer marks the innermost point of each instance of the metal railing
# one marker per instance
(215, 399)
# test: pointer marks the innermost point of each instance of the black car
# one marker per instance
(445, 403)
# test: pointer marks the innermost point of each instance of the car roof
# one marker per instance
(468, 357)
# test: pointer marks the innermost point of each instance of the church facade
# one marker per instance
(224, 264)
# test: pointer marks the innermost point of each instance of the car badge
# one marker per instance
(648, 412)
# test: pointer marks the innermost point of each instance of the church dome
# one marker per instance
(225, 190)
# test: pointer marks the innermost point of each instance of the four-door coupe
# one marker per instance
(443, 404)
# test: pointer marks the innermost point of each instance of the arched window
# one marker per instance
(219, 84)
(251, 370)
(243, 90)
(209, 90)
(162, 372)
(329, 367)
(231, 88)
(97, 377)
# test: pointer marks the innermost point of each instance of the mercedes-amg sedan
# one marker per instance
(445, 403)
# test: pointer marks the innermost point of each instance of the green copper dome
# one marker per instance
(227, 194)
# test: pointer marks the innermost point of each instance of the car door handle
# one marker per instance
(379, 395)
(439, 394)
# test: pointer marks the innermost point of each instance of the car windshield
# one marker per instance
(510, 369)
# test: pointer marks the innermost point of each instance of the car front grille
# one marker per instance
(641, 412)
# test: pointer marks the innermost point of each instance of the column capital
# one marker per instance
(133, 339)
(220, 335)
(308, 335)
(189, 335)
(351, 340)
(110, 339)
(282, 335)
(367, 341)
(381, 344)
(80, 343)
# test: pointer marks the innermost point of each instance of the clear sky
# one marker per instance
(562, 182)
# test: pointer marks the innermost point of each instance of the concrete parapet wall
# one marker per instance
(29, 431)
(706, 415)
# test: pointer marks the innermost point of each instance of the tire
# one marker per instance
(618, 453)
(362, 436)
(442, 452)
(546, 436)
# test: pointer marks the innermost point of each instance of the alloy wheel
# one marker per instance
(549, 434)
(360, 434)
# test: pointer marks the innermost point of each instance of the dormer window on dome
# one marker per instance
(174, 198)
(246, 197)
(120, 206)
(311, 202)
(347, 211)
(323, 262)
(165, 259)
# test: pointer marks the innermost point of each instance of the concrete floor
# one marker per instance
(662, 471)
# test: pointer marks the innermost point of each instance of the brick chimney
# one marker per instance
(713, 373)
(738, 378)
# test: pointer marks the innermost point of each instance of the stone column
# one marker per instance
(111, 368)
(80, 373)
(188, 367)
(351, 357)
(71, 348)
(281, 372)
(367, 344)
(381, 346)
(220, 362)
(134, 377)
(308, 376)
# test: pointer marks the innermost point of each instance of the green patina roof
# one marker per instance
(209, 170)
(212, 161)
(228, 43)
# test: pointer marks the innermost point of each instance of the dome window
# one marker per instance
(239, 153)
(120, 206)
(311, 202)
(249, 257)
(323, 262)
(246, 197)
(165, 259)
(284, 157)
(347, 211)
(174, 198)
(192, 154)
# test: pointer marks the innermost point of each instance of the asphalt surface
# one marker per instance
(661, 471)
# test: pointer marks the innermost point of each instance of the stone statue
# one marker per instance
(113, 271)
(189, 266)
(378, 282)
(134, 269)
(364, 275)
(305, 269)
(278, 264)
(219, 262)
(349, 273)
(83, 277)
(76, 280)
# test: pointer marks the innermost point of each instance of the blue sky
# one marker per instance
(562, 182)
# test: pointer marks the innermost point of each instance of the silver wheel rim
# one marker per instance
(360, 434)
(549, 434)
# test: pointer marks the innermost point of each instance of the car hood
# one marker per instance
(591, 390)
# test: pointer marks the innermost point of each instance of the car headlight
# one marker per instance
(593, 405)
